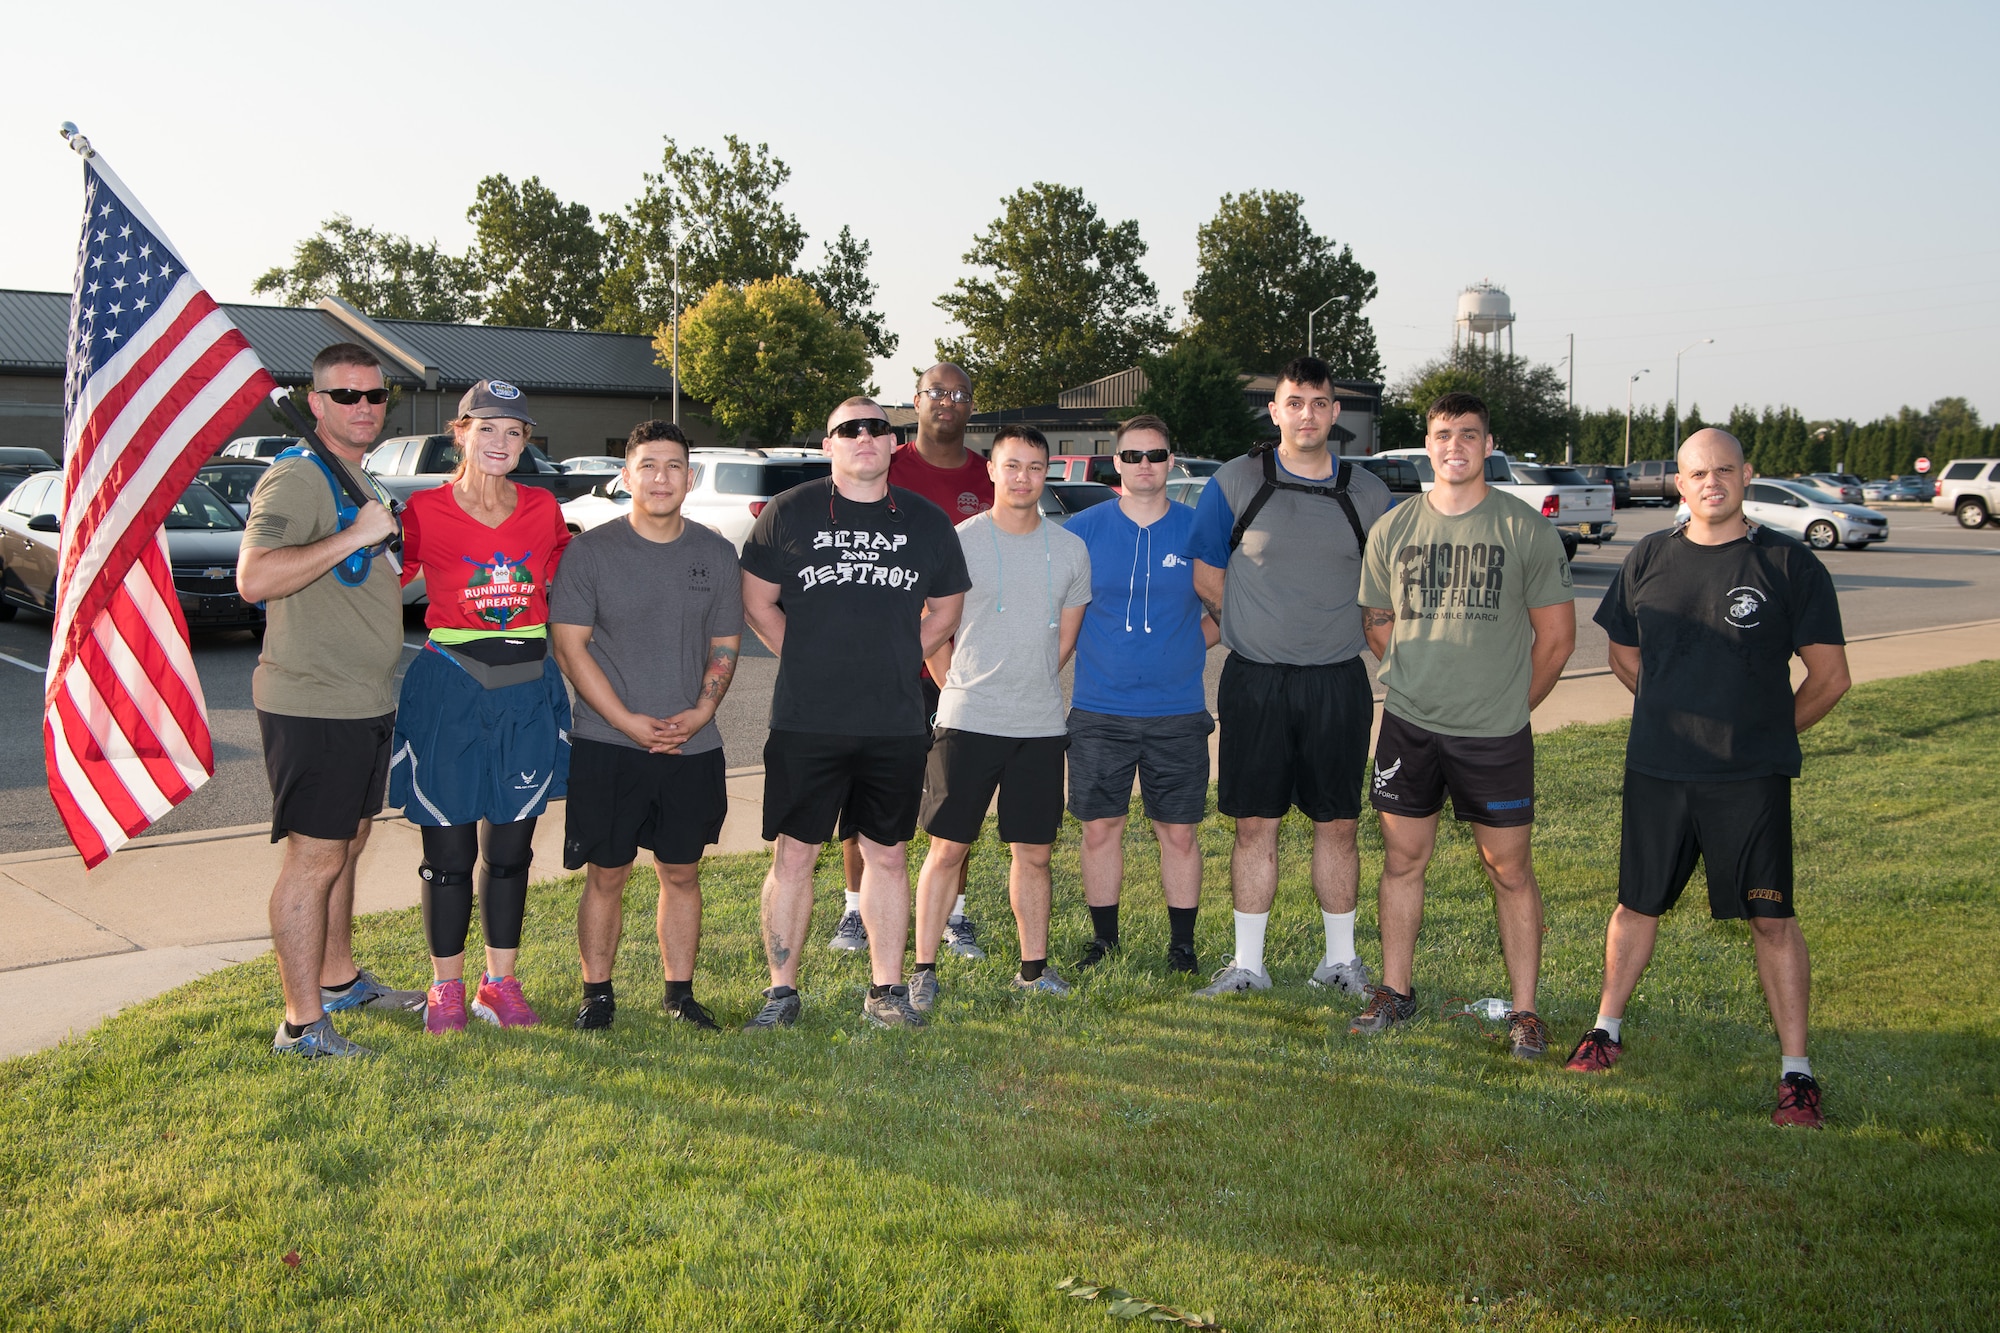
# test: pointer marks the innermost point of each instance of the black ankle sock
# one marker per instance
(926, 967)
(597, 989)
(680, 990)
(295, 1030)
(1104, 924)
(1180, 925)
(1031, 968)
(344, 986)
(781, 992)
(877, 992)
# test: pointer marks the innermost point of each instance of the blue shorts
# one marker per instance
(463, 753)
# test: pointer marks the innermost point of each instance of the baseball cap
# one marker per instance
(495, 398)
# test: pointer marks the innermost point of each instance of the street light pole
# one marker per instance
(677, 332)
(1569, 419)
(1628, 415)
(1309, 320)
(1677, 378)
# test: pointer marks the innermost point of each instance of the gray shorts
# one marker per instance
(1169, 755)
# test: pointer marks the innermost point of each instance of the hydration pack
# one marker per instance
(353, 571)
(1337, 491)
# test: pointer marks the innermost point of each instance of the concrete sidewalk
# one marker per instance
(77, 946)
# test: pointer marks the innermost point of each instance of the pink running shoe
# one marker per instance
(502, 1004)
(444, 1007)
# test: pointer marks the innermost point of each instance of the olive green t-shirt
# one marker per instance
(1461, 587)
(329, 650)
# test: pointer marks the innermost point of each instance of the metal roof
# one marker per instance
(34, 327)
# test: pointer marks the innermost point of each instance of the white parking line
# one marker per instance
(41, 670)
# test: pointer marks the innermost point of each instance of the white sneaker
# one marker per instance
(1350, 976)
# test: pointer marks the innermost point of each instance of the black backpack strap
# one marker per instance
(1271, 483)
(1270, 455)
(1347, 505)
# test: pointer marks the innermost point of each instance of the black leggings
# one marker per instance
(449, 853)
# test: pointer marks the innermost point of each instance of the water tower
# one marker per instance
(1484, 313)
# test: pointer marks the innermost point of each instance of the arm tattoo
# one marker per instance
(1375, 618)
(721, 669)
(1214, 609)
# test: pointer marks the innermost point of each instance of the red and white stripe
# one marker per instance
(126, 729)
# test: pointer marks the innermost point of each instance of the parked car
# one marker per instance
(1609, 474)
(18, 463)
(592, 463)
(233, 479)
(1060, 499)
(727, 489)
(1807, 512)
(204, 539)
(1893, 489)
(1581, 512)
(1100, 468)
(1840, 485)
(1400, 475)
(257, 446)
(1654, 481)
(1968, 488)
(1186, 490)
(411, 463)
(1199, 467)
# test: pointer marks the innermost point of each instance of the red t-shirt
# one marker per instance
(483, 578)
(960, 491)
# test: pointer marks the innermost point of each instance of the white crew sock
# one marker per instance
(1339, 937)
(854, 900)
(958, 909)
(1610, 1025)
(1794, 1064)
(1250, 940)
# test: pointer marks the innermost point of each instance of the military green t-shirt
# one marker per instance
(1461, 587)
(329, 650)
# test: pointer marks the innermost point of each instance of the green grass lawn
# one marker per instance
(1243, 1156)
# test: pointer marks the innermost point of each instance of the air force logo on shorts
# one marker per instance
(1746, 607)
(1384, 776)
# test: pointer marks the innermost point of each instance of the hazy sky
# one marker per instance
(1814, 186)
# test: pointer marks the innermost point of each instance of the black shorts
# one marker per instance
(327, 773)
(1741, 831)
(1168, 754)
(622, 798)
(967, 767)
(1491, 778)
(1293, 735)
(867, 785)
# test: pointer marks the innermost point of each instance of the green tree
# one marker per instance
(1524, 398)
(1948, 414)
(724, 214)
(379, 273)
(843, 283)
(541, 260)
(1196, 389)
(770, 357)
(1066, 303)
(1262, 269)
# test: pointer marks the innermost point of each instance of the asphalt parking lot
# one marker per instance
(1930, 573)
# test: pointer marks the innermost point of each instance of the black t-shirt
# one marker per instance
(1716, 627)
(853, 580)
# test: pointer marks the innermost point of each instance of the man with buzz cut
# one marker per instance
(1000, 714)
(936, 465)
(1140, 707)
(647, 619)
(1467, 600)
(1704, 620)
(1277, 543)
(851, 583)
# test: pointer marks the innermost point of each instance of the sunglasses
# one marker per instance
(848, 430)
(1142, 455)
(349, 397)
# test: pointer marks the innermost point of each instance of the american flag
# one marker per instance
(157, 378)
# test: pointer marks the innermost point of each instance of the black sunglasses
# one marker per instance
(1142, 455)
(349, 397)
(848, 430)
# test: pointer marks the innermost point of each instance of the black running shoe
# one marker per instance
(688, 1010)
(1387, 1007)
(596, 1013)
(1097, 952)
(1180, 958)
(778, 1012)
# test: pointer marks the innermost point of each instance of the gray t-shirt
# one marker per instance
(1004, 679)
(1290, 595)
(653, 608)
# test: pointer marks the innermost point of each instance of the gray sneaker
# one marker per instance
(961, 939)
(923, 991)
(1233, 979)
(892, 1010)
(850, 936)
(1350, 976)
(1387, 1007)
(367, 992)
(318, 1040)
(778, 1012)
(1049, 983)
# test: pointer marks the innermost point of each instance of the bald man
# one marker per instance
(1703, 621)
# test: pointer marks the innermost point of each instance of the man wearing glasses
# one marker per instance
(851, 583)
(938, 466)
(1139, 706)
(324, 689)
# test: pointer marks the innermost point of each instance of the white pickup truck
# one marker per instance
(1581, 512)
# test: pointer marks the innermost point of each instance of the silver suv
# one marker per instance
(727, 489)
(1970, 489)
